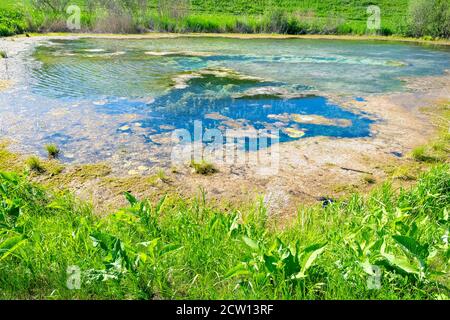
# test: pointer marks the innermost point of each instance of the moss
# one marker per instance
(136, 184)
(203, 167)
(53, 167)
(77, 173)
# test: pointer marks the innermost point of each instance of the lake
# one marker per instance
(120, 100)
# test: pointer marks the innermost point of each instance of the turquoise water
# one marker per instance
(96, 97)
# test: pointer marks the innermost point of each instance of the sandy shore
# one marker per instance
(157, 35)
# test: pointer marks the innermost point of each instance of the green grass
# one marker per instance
(35, 164)
(186, 249)
(242, 16)
(52, 151)
(203, 167)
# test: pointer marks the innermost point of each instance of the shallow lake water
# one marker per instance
(120, 100)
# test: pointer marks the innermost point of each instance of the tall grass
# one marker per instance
(187, 249)
(286, 17)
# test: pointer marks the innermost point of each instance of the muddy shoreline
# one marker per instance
(309, 169)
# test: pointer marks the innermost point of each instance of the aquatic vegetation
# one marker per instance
(203, 167)
(3, 54)
(52, 150)
(294, 133)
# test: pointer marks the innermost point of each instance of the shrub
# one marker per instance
(429, 18)
(276, 21)
(11, 23)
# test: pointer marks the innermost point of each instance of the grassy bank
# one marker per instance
(416, 18)
(389, 244)
(179, 248)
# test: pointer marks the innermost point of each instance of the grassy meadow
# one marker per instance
(416, 18)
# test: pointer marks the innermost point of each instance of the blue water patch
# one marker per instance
(215, 102)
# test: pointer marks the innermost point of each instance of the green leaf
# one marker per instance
(412, 246)
(312, 252)
(169, 248)
(309, 255)
(160, 204)
(10, 177)
(239, 270)
(234, 224)
(271, 263)
(251, 243)
(55, 205)
(400, 263)
(10, 245)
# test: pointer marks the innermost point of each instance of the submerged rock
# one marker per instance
(396, 63)
(216, 116)
(272, 92)
(320, 120)
(124, 128)
(294, 133)
(180, 81)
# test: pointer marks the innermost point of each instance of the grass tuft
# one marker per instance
(52, 151)
(35, 164)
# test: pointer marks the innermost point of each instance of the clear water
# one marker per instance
(115, 99)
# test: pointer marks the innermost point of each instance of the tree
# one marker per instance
(429, 18)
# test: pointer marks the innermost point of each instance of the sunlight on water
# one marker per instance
(120, 99)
